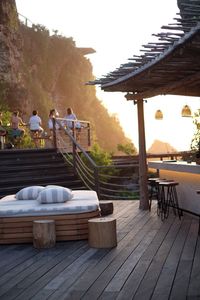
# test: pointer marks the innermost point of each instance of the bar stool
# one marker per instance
(154, 189)
(168, 198)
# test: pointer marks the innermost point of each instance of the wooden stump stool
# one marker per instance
(106, 208)
(102, 232)
(44, 234)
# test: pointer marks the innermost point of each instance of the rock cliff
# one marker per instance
(11, 85)
(42, 71)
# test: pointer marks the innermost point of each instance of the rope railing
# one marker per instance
(107, 181)
(115, 181)
(25, 20)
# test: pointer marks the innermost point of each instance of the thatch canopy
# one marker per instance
(169, 66)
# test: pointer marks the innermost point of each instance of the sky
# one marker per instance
(117, 30)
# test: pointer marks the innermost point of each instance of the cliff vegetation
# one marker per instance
(53, 73)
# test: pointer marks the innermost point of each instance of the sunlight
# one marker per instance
(117, 30)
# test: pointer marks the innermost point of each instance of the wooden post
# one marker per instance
(96, 181)
(74, 153)
(144, 197)
(102, 232)
(54, 133)
(44, 234)
(88, 132)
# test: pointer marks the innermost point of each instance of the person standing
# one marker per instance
(52, 114)
(70, 117)
(72, 123)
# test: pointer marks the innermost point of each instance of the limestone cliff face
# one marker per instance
(42, 71)
(10, 42)
(12, 90)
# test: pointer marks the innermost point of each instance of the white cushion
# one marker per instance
(54, 195)
(83, 201)
(29, 193)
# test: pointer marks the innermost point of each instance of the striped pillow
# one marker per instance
(29, 193)
(54, 195)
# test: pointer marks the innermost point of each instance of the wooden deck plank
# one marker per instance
(130, 287)
(64, 287)
(25, 279)
(105, 270)
(181, 282)
(123, 273)
(149, 281)
(194, 286)
(70, 275)
(168, 273)
(8, 271)
(90, 277)
(153, 260)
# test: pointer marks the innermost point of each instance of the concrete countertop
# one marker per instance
(177, 166)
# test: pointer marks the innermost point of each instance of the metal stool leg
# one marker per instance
(175, 202)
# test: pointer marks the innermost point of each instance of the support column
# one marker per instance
(144, 197)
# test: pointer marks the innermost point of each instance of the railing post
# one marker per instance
(96, 180)
(54, 133)
(74, 157)
(73, 129)
(89, 140)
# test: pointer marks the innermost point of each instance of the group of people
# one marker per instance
(70, 120)
(35, 123)
(16, 121)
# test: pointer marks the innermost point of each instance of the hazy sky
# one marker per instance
(117, 30)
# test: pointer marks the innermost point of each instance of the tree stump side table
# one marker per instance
(44, 234)
(106, 207)
(102, 233)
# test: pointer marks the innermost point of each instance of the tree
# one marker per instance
(128, 149)
(195, 143)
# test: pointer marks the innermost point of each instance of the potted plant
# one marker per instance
(195, 143)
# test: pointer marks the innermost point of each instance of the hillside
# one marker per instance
(51, 72)
(161, 147)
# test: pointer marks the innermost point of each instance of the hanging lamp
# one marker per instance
(158, 115)
(186, 111)
(129, 96)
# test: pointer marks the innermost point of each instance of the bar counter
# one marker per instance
(188, 176)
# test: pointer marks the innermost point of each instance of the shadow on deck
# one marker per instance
(153, 260)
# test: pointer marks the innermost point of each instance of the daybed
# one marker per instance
(71, 217)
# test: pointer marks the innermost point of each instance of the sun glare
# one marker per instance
(117, 30)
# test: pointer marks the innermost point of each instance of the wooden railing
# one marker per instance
(120, 180)
(110, 182)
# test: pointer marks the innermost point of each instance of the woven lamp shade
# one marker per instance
(186, 111)
(158, 115)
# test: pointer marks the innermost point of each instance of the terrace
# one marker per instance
(153, 260)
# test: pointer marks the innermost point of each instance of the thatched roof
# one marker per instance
(169, 66)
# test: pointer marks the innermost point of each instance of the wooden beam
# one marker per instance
(144, 198)
(167, 88)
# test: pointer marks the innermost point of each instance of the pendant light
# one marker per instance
(129, 96)
(186, 111)
(158, 115)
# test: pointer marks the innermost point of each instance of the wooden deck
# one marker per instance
(153, 260)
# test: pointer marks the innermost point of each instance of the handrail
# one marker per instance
(95, 177)
(67, 131)
(115, 181)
